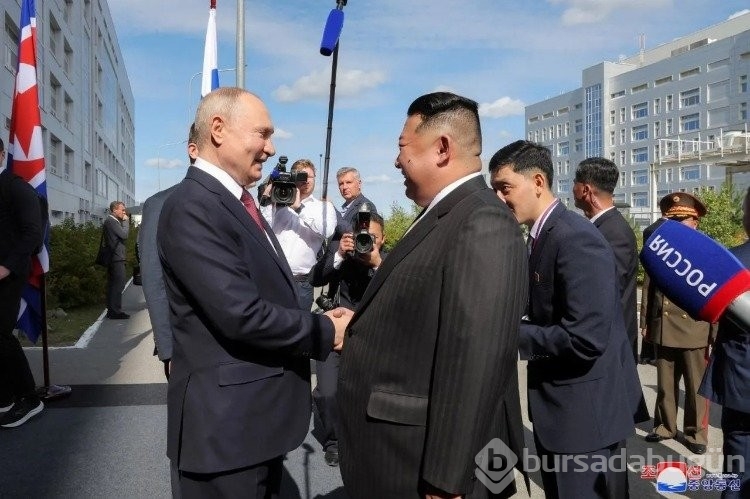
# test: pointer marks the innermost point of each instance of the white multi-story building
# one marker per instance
(86, 105)
(669, 117)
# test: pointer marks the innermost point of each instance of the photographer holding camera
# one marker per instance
(350, 265)
(300, 222)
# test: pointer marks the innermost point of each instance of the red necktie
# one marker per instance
(250, 207)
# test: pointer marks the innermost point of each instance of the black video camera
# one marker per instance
(284, 184)
(363, 241)
(325, 303)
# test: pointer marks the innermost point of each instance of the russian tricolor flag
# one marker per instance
(210, 66)
(26, 159)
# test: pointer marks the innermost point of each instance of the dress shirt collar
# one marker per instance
(441, 195)
(223, 177)
(598, 215)
(536, 229)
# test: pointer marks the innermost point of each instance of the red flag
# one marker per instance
(26, 159)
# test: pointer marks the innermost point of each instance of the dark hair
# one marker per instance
(2, 146)
(523, 156)
(459, 114)
(599, 172)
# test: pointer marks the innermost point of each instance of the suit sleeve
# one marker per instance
(323, 272)
(476, 350)
(26, 210)
(154, 290)
(584, 280)
(199, 248)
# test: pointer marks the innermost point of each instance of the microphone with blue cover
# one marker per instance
(332, 30)
(698, 274)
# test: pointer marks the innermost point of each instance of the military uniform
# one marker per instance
(681, 348)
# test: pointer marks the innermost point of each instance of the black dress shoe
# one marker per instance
(118, 315)
(332, 457)
(696, 448)
(655, 437)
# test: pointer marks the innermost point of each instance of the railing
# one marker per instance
(679, 149)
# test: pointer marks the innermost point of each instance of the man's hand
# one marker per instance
(297, 201)
(4, 272)
(340, 317)
(346, 245)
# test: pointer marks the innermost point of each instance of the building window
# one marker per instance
(567, 167)
(544, 134)
(657, 152)
(622, 115)
(690, 97)
(690, 122)
(657, 106)
(612, 156)
(690, 72)
(567, 128)
(662, 81)
(743, 111)
(594, 119)
(563, 148)
(623, 181)
(639, 155)
(536, 135)
(612, 137)
(690, 172)
(640, 132)
(639, 111)
(12, 36)
(639, 88)
(657, 129)
(551, 132)
(668, 176)
(54, 154)
(639, 177)
(718, 91)
(669, 105)
(579, 145)
(622, 158)
(622, 136)
(670, 128)
(743, 84)
(639, 200)
(559, 129)
(611, 116)
(579, 126)
(615, 95)
(563, 185)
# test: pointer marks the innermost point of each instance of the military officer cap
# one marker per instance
(681, 205)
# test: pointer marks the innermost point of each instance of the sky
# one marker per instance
(502, 54)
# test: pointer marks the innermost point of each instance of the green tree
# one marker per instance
(397, 223)
(723, 220)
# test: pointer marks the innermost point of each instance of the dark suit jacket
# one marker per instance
(621, 238)
(21, 231)
(115, 236)
(239, 390)
(428, 370)
(151, 275)
(584, 391)
(727, 378)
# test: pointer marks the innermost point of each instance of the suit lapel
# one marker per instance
(416, 235)
(557, 212)
(234, 206)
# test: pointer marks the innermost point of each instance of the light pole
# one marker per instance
(190, 91)
(158, 160)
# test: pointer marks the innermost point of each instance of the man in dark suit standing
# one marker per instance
(116, 228)
(21, 234)
(239, 388)
(727, 382)
(428, 376)
(583, 389)
(595, 182)
(154, 290)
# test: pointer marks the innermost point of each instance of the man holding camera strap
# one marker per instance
(349, 266)
(301, 227)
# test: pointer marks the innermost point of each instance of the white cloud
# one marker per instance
(739, 13)
(166, 164)
(504, 106)
(280, 133)
(593, 11)
(317, 84)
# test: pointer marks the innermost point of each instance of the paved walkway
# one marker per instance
(108, 438)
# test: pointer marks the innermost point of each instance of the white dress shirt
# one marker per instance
(301, 235)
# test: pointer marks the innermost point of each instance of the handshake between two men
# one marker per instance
(340, 317)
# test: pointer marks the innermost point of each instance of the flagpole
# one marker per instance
(241, 43)
(48, 391)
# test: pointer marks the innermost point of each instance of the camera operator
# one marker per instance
(301, 227)
(351, 268)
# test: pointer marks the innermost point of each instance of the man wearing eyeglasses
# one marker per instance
(301, 229)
